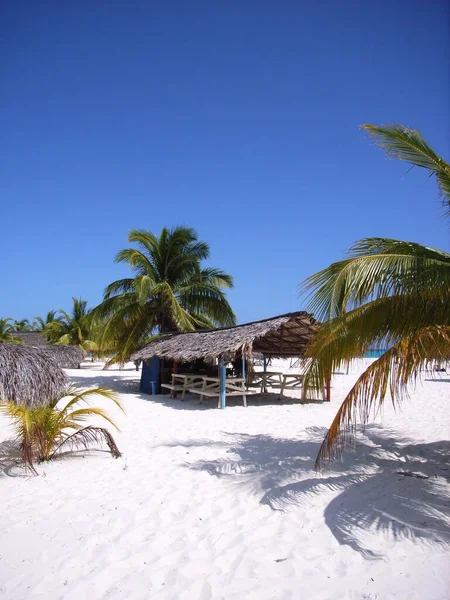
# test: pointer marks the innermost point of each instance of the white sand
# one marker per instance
(210, 504)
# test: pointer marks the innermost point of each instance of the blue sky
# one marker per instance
(240, 119)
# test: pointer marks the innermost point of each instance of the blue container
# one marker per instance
(150, 376)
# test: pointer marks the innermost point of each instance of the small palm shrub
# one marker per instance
(43, 431)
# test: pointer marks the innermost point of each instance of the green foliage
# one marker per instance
(386, 293)
(41, 324)
(44, 431)
(73, 329)
(6, 329)
(23, 325)
(170, 291)
(408, 145)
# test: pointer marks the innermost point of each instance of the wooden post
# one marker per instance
(328, 387)
(223, 377)
(264, 389)
(243, 366)
(174, 370)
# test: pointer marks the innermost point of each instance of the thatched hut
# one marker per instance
(28, 376)
(30, 338)
(282, 336)
(68, 357)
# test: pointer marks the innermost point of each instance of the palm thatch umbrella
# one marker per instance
(29, 376)
(68, 357)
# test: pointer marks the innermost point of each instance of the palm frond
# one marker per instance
(87, 437)
(391, 372)
(376, 268)
(408, 145)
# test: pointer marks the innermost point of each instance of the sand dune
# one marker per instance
(208, 504)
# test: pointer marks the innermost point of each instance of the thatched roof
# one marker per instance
(285, 335)
(30, 338)
(28, 376)
(68, 357)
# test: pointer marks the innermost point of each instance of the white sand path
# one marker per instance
(209, 504)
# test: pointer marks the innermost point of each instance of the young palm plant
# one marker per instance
(386, 293)
(6, 329)
(170, 290)
(43, 431)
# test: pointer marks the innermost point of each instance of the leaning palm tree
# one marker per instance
(170, 290)
(386, 293)
(73, 329)
(6, 329)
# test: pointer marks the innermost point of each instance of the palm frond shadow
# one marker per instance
(281, 472)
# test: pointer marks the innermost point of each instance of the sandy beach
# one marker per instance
(209, 504)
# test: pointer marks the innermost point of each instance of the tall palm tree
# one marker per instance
(386, 293)
(6, 330)
(23, 325)
(170, 290)
(73, 329)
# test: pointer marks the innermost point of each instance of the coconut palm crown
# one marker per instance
(170, 290)
(73, 329)
(6, 329)
(386, 293)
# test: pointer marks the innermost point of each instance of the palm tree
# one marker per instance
(45, 430)
(23, 325)
(386, 293)
(170, 290)
(73, 329)
(6, 330)
(41, 324)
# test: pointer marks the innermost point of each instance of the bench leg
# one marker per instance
(244, 398)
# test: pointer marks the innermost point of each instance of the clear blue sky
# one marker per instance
(238, 118)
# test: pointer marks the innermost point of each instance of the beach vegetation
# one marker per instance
(170, 290)
(44, 431)
(74, 328)
(386, 293)
(6, 329)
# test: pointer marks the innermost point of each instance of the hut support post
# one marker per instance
(174, 370)
(328, 387)
(243, 367)
(222, 377)
(265, 371)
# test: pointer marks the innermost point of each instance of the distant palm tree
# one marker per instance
(386, 293)
(170, 290)
(73, 329)
(23, 325)
(6, 330)
(40, 324)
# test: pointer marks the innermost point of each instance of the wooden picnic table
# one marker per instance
(211, 388)
(278, 380)
(183, 383)
(265, 379)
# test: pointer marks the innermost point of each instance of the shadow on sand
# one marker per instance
(368, 492)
